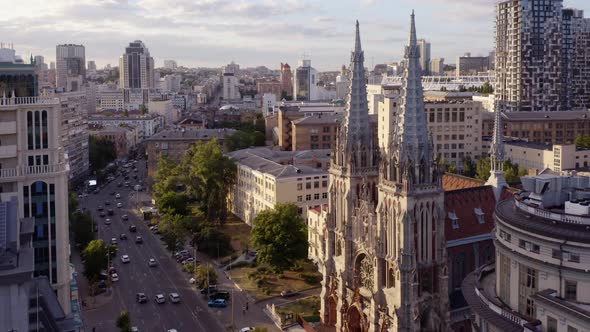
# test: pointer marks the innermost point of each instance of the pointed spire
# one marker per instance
(413, 40)
(496, 179)
(357, 41)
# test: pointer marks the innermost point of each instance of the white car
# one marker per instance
(134, 329)
(174, 298)
(125, 259)
(118, 196)
(160, 298)
(114, 277)
(119, 205)
(152, 262)
(246, 329)
(172, 330)
(114, 240)
(107, 221)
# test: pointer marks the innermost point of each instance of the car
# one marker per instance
(134, 329)
(153, 228)
(182, 252)
(171, 330)
(138, 239)
(135, 177)
(174, 297)
(211, 289)
(107, 203)
(188, 260)
(125, 259)
(192, 281)
(99, 208)
(102, 214)
(123, 236)
(110, 212)
(217, 303)
(132, 228)
(127, 184)
(107, 221)
(246, 329)
(114, 240)
(183, 258)
(141, 298)
(152, 262)
(112, 270)
(287, 293)
(119, 205)
(119, 184)
(103, 276)
(160, 298)
(114, 277)
(125, 217)
(118, 196)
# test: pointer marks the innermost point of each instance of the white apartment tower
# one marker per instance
(385, 263)
(70, 67)
(230, 82)
(136, 67)
(424, 47)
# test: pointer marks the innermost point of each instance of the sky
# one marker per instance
(211, 33)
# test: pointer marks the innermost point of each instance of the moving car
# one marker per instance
(218, 303)
(174, 297)
(134, 329)
(110, 212)
(141, 298)
(132, 228)
(125, 259)
(114, 277)
(107, 221)
(160, 299)
(152, 262)
(287, 293)
(123, 236)
(114, 240)
(99, 208)
(107, 203)
(102, 214)
(125, 217)
(246, 329)
(119, 205)
(138, 239)
(118, 196)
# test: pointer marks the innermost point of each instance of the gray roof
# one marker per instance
(564, 115)
(320, 119)
(191, 134)
(261, 159)
(531, 145)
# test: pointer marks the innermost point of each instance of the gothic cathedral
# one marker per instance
(385, 263)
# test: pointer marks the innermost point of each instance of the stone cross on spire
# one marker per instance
(496, 179)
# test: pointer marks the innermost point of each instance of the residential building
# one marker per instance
(170, 64)
(29, 303)
(424, 47)
(540, 56)
(40, 62)
(47, 79)
(305, 81)
(315, 132)
(342, 83)
(230, 82)
(164, 108)
(542, 127)
(175, 143)
(537, 157)
(269, 101)
(147, 125)
(35, 170)
(538, 281)
(74, 132)
(136, 67)
(386, 264)
(91, 65)
(472, 65)
(171, 83)
(269, 86)
(437, 67)
(286, 80)
(266, 177)
(123, 137)
(70, 60)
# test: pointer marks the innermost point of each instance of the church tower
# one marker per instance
(385, 266)
(496, 179)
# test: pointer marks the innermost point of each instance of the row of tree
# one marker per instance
(482, 169)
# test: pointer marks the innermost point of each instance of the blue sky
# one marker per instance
(210, 33)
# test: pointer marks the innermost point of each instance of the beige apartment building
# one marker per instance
(315, 132)
(537, 156)
(266, 177)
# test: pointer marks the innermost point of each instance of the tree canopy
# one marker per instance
(124, 322)
(95, 259)
(173, 203)
(101, 153)
(281, 236)
(81, 225)
(512, 172)
(582, 141)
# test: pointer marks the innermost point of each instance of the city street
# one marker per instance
(192, 313)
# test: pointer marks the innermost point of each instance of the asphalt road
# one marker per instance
(191, 314)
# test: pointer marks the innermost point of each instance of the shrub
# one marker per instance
(298, 267)
(310, 278)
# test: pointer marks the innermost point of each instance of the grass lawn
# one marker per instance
(308, 307)
(271, 285)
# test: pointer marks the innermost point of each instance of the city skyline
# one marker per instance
(211, 33)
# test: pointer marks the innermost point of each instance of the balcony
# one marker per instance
(16, 101)
(12, 174)
(7, 128)
(8, 151)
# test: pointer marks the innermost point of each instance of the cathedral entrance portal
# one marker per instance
(355, 321)
(332, 312)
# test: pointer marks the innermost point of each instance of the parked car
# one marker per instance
(246, 329)
(138, 239)
(220, 294)
(141, 298)
(134, 329)
(188, 260)
(218, 303)
(114, 277)
(160, 298)
(152, 262)
(112, 270)
(212, 289)
(125, 217)
(180, 253)
(288, 292)
(174, 297)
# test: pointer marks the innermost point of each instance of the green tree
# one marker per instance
(101, 153)
(582, 141)
(126, 113)
(124, 322)
(469, 167)
(81, 225)
(167, 178)
(483, 169)
(281, 236)
(95, 259)
(173, 203)
(210, 177)
(73, 203)
(210, 240)
(174, 228)
(205, 275)
(144, 109)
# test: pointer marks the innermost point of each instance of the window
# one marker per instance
(308, 185)
(316, 184)
(571, 329)
(551, 324)
(299, 186)
(324, 184)
(479, 215)
(571, 290)
(308, 197)
(506, 236)
(454, 220)
(316, 196)
(324, 195)
(299, 198)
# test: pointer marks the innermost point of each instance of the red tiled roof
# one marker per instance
(463, 203)
(454, 181)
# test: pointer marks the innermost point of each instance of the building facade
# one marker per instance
(74, 132)
(305, 81)
(385, 266)
(146, 125)
(472, 65)
(286, 80)
(424, 56)
(136, 67)
(124, 138)
(70, 67)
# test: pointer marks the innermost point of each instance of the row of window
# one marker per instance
(316, 196)
(316, 184)
(535, 248)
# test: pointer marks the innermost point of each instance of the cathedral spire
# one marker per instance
(496, 178)
(413, 40)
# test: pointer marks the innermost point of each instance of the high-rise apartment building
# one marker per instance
(230, 83)
(70, 67)
(437, 67)
(35, 170)
(286, 79)
(537, 61)
(305, 81)
(170, 64)
(136, 67)
(424, 47)
(91, 65)
(472, 65)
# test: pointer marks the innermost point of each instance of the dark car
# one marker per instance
(132, 228)
(141, 298)
(218, 303)
(99, 208)
(110, 212)
(119, 184)
(102, 284)
(287, 293)
(212, 289)
(138, 239)
(107, 203)
(102, 214)
(123, 236)
(125, 217)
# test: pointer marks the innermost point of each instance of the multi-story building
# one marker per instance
(342, 83)
(175, 143)
(580, 58)
(171, 83)
(136, 67)
(74, 132)
(266, 177)
(305, 81)
(230, 82)
(70, 67)
(286, 80)
(537, 157)
(542, 127)
(170, 64)
(147, 125)
(269, 86)
(164, 108)
(424, 56)
(40, 62)
(35, 170)
(315, 132)
(46, 79)
(91, 65)
(123, 137)
(437, 67)
(386, 263)
(539, 280)
(472, 65)
(269, 101)
(535, 56)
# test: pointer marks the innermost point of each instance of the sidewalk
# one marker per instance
(88, 302)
